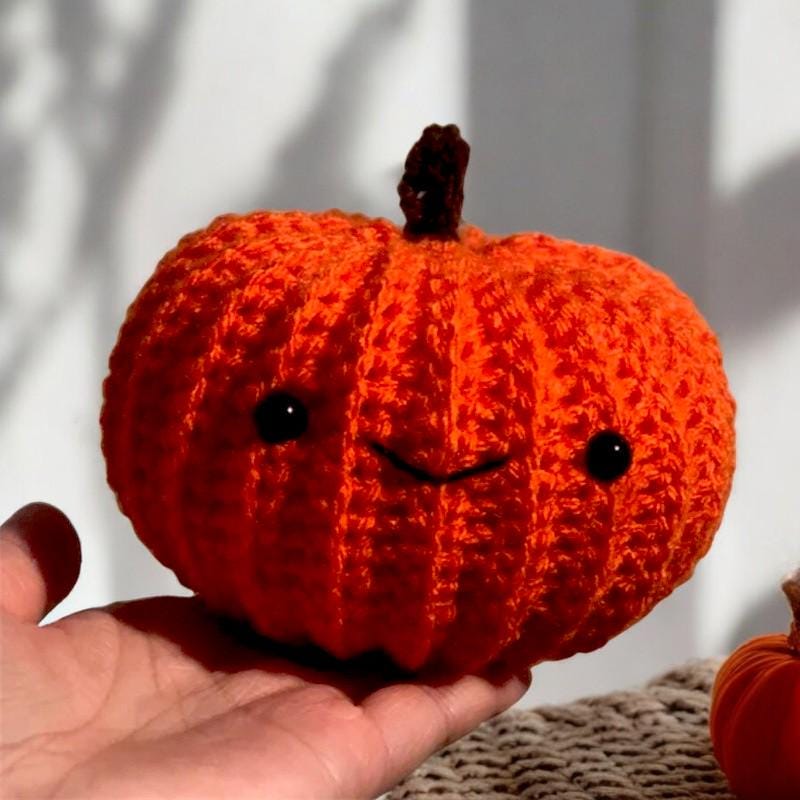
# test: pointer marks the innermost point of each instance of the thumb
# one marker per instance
(40, 558)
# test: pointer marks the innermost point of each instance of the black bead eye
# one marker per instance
(280, 417)
(608, 456)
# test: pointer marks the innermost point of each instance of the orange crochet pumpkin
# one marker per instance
(445, 445)
(755, 712)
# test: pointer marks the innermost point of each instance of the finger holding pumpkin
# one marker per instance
(431, 441)
(755, 712)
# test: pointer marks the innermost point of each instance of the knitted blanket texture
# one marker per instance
(645, 744)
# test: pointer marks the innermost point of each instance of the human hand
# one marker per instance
(157, 698)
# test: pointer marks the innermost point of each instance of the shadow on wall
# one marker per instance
(757, 253)
(320, 153)
(14, 152)
(591, 122)
(553, 93)
(757, 258)
(127, 115)
(106, 131)
(130, 114)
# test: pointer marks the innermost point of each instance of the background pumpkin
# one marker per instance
(438, 502)
(755, 712)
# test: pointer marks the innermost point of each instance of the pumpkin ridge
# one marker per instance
(733, 678)
(516, 270)
(451, 537)
(115, 414)
(444, 565)
(358, 506)
(253, 483)
(451, 262)
(417, 354)
(199, 525)
(477, 632)
(753, 704)
(584, 625)
(647, 297)
(671, 569)
(342, 495)
(446, 562)
(338, 293)
(530, 555)
(353, 554)
(637, 549)
(221, 354)
(579, 507)
(525, 268)
(198, 258)
(711, 467)
(169, 323)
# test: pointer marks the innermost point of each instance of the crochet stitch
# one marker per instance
(438, 502)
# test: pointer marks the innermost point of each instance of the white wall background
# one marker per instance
(669, 128)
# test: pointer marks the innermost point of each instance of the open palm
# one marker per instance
(157, 698)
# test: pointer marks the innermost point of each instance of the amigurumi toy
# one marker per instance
(448, 446)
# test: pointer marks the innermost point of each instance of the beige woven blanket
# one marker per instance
(650, 744)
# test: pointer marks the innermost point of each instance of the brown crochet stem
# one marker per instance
(791, 588)
(432, 189)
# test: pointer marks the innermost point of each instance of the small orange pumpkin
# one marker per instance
(445, 445)
(755, 712)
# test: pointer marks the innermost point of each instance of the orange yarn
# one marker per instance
(438, 505)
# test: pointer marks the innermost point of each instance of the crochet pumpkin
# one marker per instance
(431, 441)
(754, 720)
